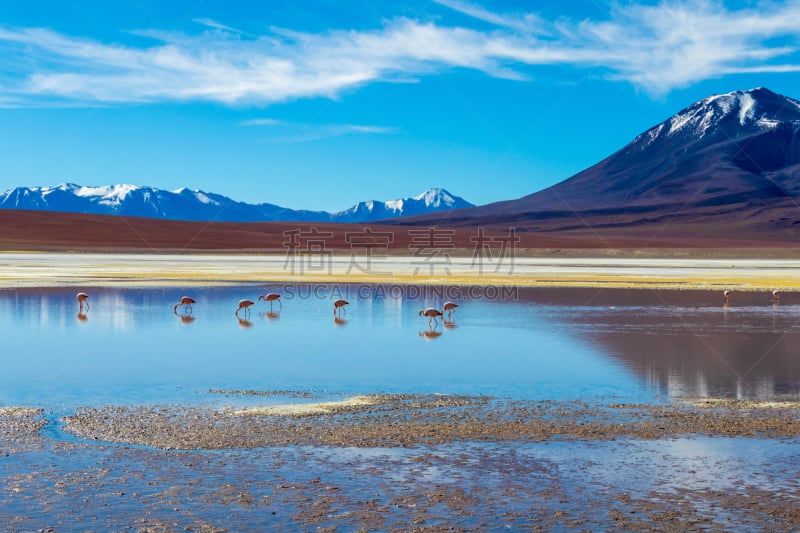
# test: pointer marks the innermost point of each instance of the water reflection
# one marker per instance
(430, 334)
(545, 344)
(679, 346)
(269, 315)
(185, 319)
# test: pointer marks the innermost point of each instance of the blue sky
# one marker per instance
(319, 104)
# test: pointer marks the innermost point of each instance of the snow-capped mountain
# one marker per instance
(432, 200)
(725, 115)
(737, 150)
(185, 204)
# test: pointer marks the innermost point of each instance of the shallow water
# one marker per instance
(563, 344)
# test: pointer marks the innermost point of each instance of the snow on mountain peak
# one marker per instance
(110, 194)
(436, 197)
(395, 205)
(759, 107)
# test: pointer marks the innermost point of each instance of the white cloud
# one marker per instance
(655, 47)
(293, 132)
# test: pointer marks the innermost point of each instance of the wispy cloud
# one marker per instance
(262, 122)
(293, 132)
(655, 47)
(213, 24)
(526, 22)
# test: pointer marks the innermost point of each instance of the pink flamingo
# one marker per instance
(432, 315)
(244, 304)
(338, 305)
(186, 302)
(271, 297)
(83, 299)
(450, 308)
(727, 295)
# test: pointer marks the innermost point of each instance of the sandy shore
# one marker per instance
(66, 269)
(411, 420)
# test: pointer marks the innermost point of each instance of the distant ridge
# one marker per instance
(196, 205)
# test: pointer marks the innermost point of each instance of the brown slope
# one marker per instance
(51, 231)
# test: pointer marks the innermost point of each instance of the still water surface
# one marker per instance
(564, 344)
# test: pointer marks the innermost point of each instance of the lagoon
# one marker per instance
(517, 343)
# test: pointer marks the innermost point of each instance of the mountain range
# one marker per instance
(185, 204)
(726, 167)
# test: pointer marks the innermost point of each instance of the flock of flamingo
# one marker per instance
(432, 313)
(186, 303)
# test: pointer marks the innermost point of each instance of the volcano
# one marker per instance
(727, 158)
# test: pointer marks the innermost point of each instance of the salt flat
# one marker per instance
(83, 269)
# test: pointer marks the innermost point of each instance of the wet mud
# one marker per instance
(405, 463)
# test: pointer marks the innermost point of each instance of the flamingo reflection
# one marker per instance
(339, 321)
(269, 315)
(430, 334)
(450, 324)
(82, 316)
(185, 318)
(244, 323)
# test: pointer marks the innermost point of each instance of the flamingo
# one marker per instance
(271, 297)
(431, 313)
(450, 307)
(244, 304)
(727, 295)
(338, 305)
(776, 295)
(83, 299)
(186, 302)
